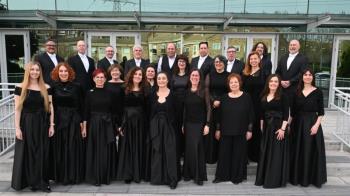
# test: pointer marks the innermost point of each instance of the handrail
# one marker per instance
(7, 127)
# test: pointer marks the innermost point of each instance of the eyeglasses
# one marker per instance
(231, 51)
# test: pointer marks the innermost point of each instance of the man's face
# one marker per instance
(50, 47)
(231, 54)
(81, 47)
(203, 50)
(171, 50)
(294, 46)
(137, 53)
(109, 52)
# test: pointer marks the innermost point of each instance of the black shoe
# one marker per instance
(47, 189)
(173, 185)
(187, 179)
(216, 180)
(199, 182)
(127, 181)
(33, 189)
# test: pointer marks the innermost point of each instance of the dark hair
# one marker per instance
(98, 71)
(55, 71)
(110, 68)
(248, 67)
(200, 90)
(129, 83)
(200, 43)
(301, 82)
(233, 75)
(50, 40)
(221, 58)
(176, 69)
(264, 45)
(266, 90)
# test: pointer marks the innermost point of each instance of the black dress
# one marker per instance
(308, 159)
(178, 86)
(131, 165)
(67, 144)
(215, 87)
(101, 155)
(31, 159)
(236, 117)
(253, 85)
(163, 142)
(196, 116)
(117, 91)
(273, 166)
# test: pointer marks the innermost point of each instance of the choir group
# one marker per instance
(162, 123)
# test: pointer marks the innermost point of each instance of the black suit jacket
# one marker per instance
(104, 64)
(81, 76)
(131, 63)
(206, 67)
(266, 65)
(237, 67)
(299, 63)
(47, 66)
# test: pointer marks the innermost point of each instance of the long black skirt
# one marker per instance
(31, 159)
(232, 159)
(163, 151)
(210, 143)
(308, 158)
(254, 142)
(194, 162)
(131, 164)
(273, 166)
(68, 149)
(101, 150)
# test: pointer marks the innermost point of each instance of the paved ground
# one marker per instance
(338, 165)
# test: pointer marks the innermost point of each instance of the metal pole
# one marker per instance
(245, 6)
(55, 5)
(308, 7)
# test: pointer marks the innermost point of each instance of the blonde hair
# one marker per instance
(25, 84)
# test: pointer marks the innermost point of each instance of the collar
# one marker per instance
(293, 55)
(81, 55)
(51, 55)
(204, 57)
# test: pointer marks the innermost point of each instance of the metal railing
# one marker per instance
(342, 104)
(7, 125)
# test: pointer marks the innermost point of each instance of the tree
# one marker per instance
(344, 69)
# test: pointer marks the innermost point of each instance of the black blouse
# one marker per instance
(311, 103)
(280, 105)
(196, 108)
(167, 107)
(216, 84)
(178, 85)
(34, 101)
(98, 100)
(236, 115)
(67, 94)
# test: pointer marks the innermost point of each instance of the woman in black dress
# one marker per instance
(215, 87)
(162, 135)
(196, 124)
(234, 128)
(67, 145)
(308, 158)
(151, 77)
(101, 156)
(266, 64)
(34, 123)
(131, 165)
(253, 83)
(273, 166)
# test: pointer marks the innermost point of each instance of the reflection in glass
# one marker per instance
(124, 47)
(191, 44)
(15, 57)
(241, 47)
(98, 45)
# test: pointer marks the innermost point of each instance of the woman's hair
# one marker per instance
(233, 75)
(301, 82)
(266, 90)
(26, 82)
(248, 67)
(55, 72)
(129, 83)
(176, 66)
(264, 45)
(115, 66)
(221, 58)
(200, 88)
(98, 71)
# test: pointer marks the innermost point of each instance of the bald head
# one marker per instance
(171, 49)
(294, 46)
(81, 46)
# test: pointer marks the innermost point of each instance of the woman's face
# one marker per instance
(99, 80)
(162, 80)
(254, 60)
(182, 64)
(234, 84)
(219, 65)
(260, 49)
(150, 73)
(115, 73)
(195, 78)
(274, 83)
(307, 77)
(137, 78)
(63, 73)
(34, 71)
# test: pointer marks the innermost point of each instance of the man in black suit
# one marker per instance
(48, 60)
(166, 62)
(83, 67)
(290, 67)
(137, 61)
(203, 62)
(233, 65)
(108, 60)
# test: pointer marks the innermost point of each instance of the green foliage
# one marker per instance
(344, 69)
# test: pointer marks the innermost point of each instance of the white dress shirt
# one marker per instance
(171, 61)
(201, 61)
(290, 59)
(53, 58)
(230, 65)
(110, 60)
(138, 62)
(85, 61)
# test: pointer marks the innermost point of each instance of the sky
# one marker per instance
(207, 6)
